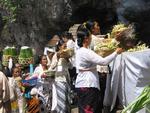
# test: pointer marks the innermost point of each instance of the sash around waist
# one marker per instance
(87, 69)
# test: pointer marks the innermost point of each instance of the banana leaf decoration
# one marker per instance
(142, 101)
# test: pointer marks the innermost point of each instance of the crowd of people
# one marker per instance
(83, 73)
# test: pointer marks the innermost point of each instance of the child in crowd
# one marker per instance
(17, 103)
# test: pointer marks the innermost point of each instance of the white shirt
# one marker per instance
(93, 41)
(70, 44)
(96, 40)
(87, 60)
(38, 72)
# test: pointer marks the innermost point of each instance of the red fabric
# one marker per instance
(88, 109)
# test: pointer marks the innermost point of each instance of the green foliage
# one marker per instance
(11, 51)
(142, 101)
(10, 8)
(26, 53)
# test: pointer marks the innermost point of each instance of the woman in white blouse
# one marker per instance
(87, 82)
(61, 99)
(44, 84)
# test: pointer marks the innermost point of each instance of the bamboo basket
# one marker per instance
(5, 59)
(25, 56)
(7, 53)
(25, 61)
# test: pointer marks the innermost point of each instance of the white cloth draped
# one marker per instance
(131, 73)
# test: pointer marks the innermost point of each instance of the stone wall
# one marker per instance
(38, 20)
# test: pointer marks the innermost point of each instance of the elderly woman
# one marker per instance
(43, 88)
(44, 84)
(87, 82)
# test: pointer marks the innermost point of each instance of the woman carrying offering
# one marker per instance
(44, 84)
(62, 81)
(87, 82)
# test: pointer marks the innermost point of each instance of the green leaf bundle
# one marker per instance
(142, 101)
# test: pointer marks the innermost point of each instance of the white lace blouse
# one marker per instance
(86, 62)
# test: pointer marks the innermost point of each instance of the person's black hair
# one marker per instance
(6, 71)
(82, 33)
(39, 59)
(89, 25)
(12, 70)
(60, 43)
(67, 35)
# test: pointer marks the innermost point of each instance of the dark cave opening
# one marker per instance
(105, 17)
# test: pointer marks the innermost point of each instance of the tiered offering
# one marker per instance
(25, 56)
(9, 52)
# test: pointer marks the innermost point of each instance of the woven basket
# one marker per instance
(7, 53)
(25, 61)
(25, 56)
(5, 59)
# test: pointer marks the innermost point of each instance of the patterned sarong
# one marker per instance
(63, 97)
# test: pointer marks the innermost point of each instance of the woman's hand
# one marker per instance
(119, 50)
(27, 76)
(43, 75)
